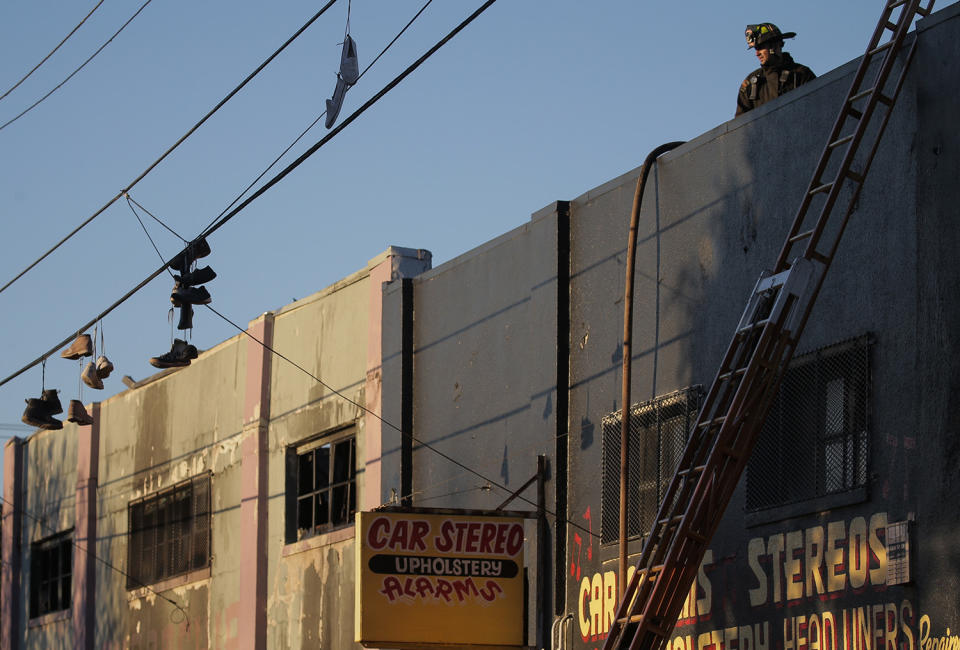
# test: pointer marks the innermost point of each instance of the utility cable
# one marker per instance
(48, 527)
(318, 118)
(44, 59)
(82, 65)
(176, 144)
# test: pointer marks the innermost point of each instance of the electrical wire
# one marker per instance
(299, 161)
(52, 52)
(176, 144)
(82, 65)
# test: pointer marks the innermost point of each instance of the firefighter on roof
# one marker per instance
(778, 72)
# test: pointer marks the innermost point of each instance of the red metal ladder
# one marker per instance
(737, 403)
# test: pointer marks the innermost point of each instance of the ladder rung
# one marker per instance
(844, 140)
(801, 236)
(854, 176)
(923, 11)
(709, 423)
(675, 520)
(733, 373)
(753, 326)
(697, 536)
(880, 48)
(729, 451)
(854, 113)
(896, 3)
(862, 94)
(891, 26)
(884, 99)
(820, 257)
(693, 470)
(823, 188)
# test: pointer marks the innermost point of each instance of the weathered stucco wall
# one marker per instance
(310, 583)
(177, 425)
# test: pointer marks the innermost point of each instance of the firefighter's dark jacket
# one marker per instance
(781, 74)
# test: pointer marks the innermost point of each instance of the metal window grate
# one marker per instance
(169, 532)
(815, 440)
(51, 574)
(658, 435)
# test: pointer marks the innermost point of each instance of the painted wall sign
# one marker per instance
(798, 574)
(439, 579)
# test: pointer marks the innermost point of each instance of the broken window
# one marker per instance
(51, 574)
(169, 532)
(321, 485)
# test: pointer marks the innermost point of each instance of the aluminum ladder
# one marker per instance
(737, 403)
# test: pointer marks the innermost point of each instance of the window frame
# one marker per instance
(305, 498)
(176, 547)
(61, 546)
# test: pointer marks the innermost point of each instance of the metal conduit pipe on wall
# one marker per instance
(627, 353)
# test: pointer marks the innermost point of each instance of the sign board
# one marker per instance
(437, 579)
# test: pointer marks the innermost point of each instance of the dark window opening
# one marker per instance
(51, 574)
(321, 486)
(658, 436)
(169, 532)
(814, 442)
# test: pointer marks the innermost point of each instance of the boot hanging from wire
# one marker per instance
(346, 77)
(40, 411)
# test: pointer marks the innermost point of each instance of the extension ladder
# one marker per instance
(738, 401)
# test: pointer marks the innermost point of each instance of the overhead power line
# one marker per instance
(176, 144)
(52, 52)
(273, 181)
(81, 67)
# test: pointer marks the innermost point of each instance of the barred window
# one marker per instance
(321, 485)
(658, 435)
(51, 574)
(169, 532)
(815, 440)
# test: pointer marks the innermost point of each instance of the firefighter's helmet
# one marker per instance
(763, 33)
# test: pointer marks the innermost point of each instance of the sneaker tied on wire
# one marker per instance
(81, 347)
(90, 376)
(39, 413)
(180, 354)
(103, 367)
(78, 414)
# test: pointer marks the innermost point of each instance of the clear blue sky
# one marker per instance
(536, 101)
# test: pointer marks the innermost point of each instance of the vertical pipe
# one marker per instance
(627, 357)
